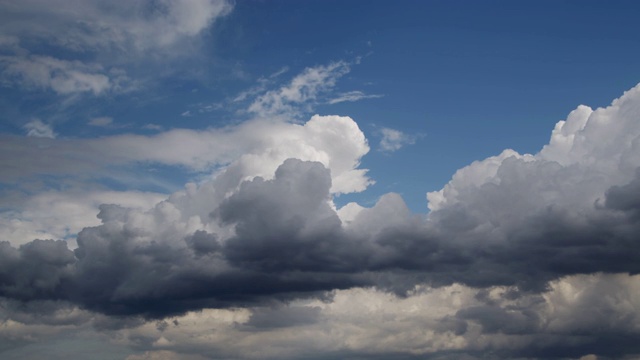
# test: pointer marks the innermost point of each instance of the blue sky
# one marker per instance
(467, 79)
(182, 114)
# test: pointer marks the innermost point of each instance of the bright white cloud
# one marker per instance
(591, 151)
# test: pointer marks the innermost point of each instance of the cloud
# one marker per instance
(449, 322)
(138, 26)
(515, 246)
(61, 76)
(102, 121)
(509, 220)
(393, 140)
(303, 90)
(36, 128)
(164, 355)
(62, 214)
(352, 96)
(261, 146)
(99, 42)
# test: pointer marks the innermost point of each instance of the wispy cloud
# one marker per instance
(102, 121)
(36, 128)
(352, 96)
(99, 42)
(301, 93)
(61, 76)
(393, 140)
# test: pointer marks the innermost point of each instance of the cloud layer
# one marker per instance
(513, 248)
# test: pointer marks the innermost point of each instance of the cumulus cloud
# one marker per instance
(515, 246)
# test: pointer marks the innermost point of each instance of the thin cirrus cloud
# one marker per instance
(303, 89)
(519, 242)
(352, 96)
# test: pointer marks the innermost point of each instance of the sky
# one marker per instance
(213, 179)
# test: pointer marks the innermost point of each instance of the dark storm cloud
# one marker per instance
(36, 270)
(626, 198)
(288, 243)
(284, 224)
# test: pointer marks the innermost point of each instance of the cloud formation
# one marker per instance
(302, 90)
(259, 146)
(393, 140)
(36, 128)
(352, 96)
(514, 244)
(99, 42)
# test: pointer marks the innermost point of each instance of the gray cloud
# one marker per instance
(289, 242)
(518, 246)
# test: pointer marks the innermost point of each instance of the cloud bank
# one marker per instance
(514, 247)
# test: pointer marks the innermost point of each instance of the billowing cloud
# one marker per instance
(515, 246)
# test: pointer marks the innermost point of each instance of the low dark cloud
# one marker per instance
(288, 243)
